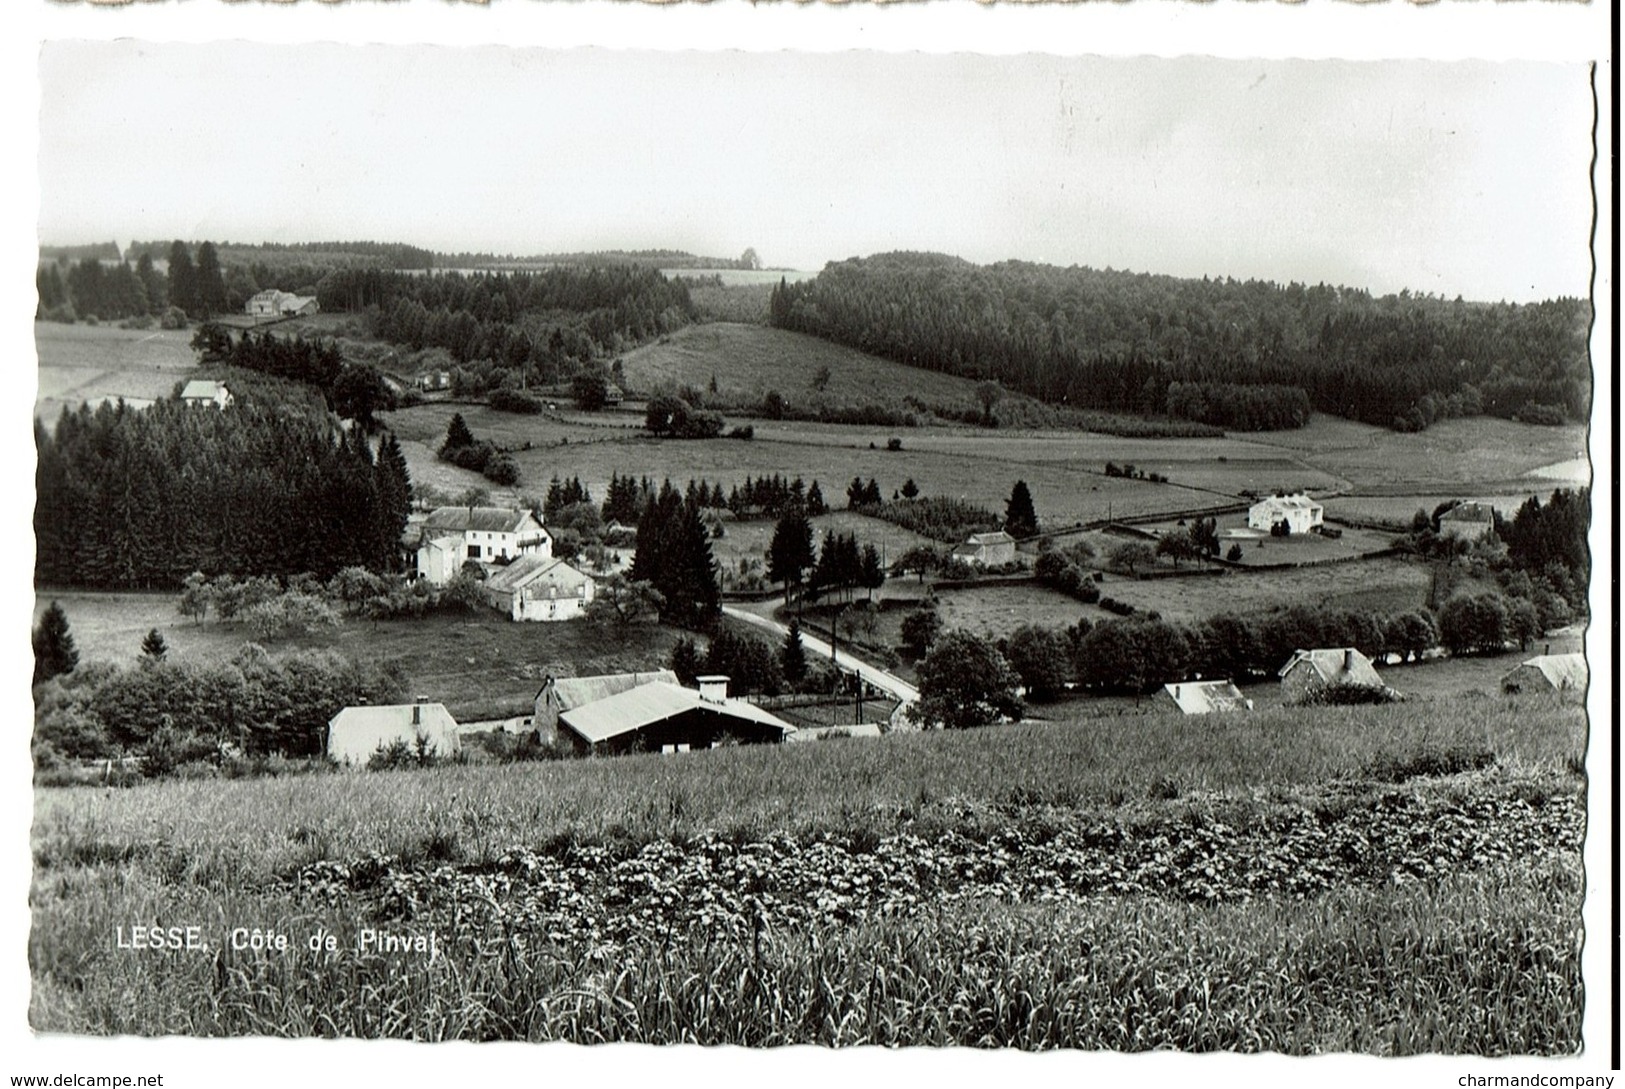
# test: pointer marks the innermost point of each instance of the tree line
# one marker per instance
(132, 499)
(1255, 351)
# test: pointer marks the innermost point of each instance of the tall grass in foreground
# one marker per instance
(1481, 963)
(226, 834)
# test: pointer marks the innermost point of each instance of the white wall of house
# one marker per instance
(440, 560)
(1299, 518)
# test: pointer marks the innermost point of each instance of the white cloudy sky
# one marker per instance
(1455, 178)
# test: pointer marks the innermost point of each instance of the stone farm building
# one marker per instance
(202, 391)
(1205, 697)
(1309, 671)
(987, 549)
(537, 587)
(1468, 521)
(356, 733)
(1300, 513)
(649, 712)
(271, 304)
(1549, 673)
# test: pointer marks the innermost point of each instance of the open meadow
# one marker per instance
(1361, 879)
(91, 363)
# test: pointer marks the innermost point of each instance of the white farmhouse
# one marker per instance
(272, 303)
(1299, 513)
(491, 534)
(538, 587)
(987, 549)
(202, 391)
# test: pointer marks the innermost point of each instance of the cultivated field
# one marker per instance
(1260, 883)
(1381, 585)
(80, 363)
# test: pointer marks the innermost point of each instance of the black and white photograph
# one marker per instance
(998, 551)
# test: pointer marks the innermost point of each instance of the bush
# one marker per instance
(747, 432)
(173, 318)
(513, 400)
(1346, 694)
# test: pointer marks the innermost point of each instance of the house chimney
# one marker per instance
(1548, 649)
(713, 689)
(1348, 659)
(417, 709)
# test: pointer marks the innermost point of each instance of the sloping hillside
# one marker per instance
(750, 360)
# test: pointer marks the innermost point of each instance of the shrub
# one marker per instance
(1346, 694)
(513, 400)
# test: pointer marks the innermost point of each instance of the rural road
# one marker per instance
(900, 689)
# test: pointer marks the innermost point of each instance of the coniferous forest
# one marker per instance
(1242, 355)
(142, 498)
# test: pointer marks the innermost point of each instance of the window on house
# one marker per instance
(473, 552)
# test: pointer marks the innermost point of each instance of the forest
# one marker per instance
(139, 499)
(1247, 355)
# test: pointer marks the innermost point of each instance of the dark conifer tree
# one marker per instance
(183, 282)
(54, 652)
(153, 646)
(793, 657)
(1020, 519)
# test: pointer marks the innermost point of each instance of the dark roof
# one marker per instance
(478, 519)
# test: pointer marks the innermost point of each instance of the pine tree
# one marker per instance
(1020, 519)
(872, 575)
(457, 434)
(685, 661)
(793, 657)
(153, 646)
(791, 551)
(54, 652)
(183, 284)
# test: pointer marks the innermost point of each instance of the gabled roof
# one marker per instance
(1287, 502)
(1201, 697)
(1336, 665)
(479, 519)
(392, 715)
(655, 702)
(200, 389)
(449, 542)
(997, 537)
(573, 692)
(1561, 670)
(1469, 512)
(533, 569)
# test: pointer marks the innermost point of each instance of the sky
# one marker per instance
(1442, 177)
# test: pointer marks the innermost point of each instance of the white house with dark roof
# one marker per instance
(204, 391)
(1470, 521)
(272, 303)
(491, 534)
(356, 733)
(537, 587)
(1300, 513)
(987, 549)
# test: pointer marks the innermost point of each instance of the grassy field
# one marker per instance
(1262, 882)
(79, 363)
(1480, 450)
(749, 360)
(480, 665)
(1402, 508)
(1381, 585)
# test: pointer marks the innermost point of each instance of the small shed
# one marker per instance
(987, 549)
(356, 733)
(1549, 673)
(1206, 697)
(1308, 671)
